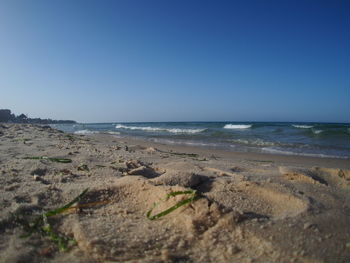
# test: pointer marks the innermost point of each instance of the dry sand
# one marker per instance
(253, 207)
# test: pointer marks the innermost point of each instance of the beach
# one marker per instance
(228, 206)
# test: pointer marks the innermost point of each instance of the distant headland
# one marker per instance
(7, 116)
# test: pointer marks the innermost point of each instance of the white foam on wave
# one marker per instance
(85, 132)
(151, 129)
(237, 126)
(113, 132)
(185, 130)
(255, 142)
(317, 131)
(284, 152)
(302, 126)
(191, 143)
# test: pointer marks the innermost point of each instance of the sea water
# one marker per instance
(308, 139)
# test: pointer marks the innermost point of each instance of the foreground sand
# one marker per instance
(254, 208)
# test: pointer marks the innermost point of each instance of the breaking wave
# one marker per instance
(286, 152)
(153, 129)
(113, 132)
(237, 126)
(85, 132)
(302, 126)
(317, 131)
(253, 142)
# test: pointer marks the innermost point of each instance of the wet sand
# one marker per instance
(249, 207)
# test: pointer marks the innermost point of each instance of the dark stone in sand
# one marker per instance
(39, 171)
(181, 179)
(144, 171)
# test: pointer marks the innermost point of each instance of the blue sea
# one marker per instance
(307, 139)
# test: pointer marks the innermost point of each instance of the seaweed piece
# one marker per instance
(262, 161)
(89, 204)
(65, 207)
(60, 240)
(64, 172)
(193, 155)
(70, 137)
(201, 160)
(193, 197)
(57, 160)
(41, 225)
(83, 167)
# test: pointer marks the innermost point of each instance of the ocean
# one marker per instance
(307, 139)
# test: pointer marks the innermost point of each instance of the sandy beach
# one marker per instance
(243, 207)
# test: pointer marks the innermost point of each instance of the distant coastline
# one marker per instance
(8, 117)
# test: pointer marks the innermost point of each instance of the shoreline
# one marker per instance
(283, 158)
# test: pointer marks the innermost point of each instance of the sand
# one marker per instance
(250, 207)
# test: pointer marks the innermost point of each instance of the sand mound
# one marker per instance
(105, 233)
(120, 230)
(302, 175)
(335, 177)
(278, 202)
(180, 173)
(317, 175)
(257, 200)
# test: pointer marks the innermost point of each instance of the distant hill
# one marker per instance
(7, 116)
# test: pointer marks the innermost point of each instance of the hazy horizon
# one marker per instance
(156, 61)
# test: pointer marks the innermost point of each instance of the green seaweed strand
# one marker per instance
(57, 160)
(193, 197)
(42, 225)
(63, 208)
(61, 241)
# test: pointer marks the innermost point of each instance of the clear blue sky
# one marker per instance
(180, 60)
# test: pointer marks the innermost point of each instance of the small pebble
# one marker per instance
(233, 250)
(307, 225)
(165, 255)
